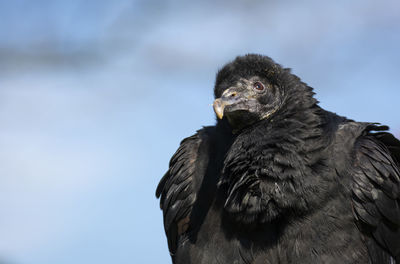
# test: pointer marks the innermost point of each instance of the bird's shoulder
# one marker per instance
(376, 191)
(179, 186)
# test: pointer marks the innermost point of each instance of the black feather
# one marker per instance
(280, 180)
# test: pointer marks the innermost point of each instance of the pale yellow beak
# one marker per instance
(219, 107)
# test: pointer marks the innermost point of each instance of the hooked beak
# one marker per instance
(219, 107)
(229, 97)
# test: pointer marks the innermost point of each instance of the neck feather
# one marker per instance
(269, 164)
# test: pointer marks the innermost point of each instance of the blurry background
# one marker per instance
(95, 97)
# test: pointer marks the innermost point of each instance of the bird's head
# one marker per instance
(250, 89)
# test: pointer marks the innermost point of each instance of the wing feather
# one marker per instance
(376, 192)
(179, 186)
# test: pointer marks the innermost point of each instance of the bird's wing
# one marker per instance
(179, 186)
(376, 194)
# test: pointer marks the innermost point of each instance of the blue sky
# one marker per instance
(95, 97)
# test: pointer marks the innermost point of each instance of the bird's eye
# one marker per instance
(258, 86)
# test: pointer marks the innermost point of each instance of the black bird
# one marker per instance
(280, 180)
